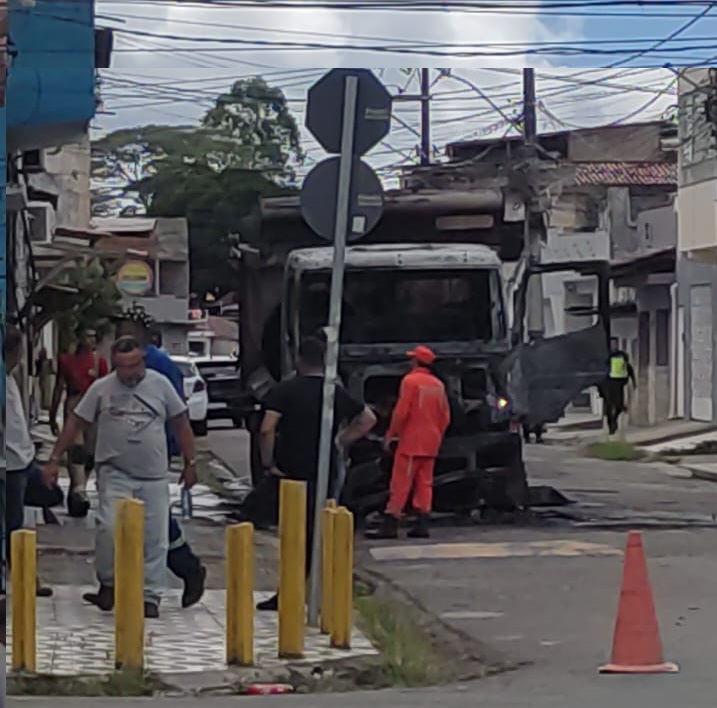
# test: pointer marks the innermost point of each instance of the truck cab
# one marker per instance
(417, 280)
(449, 297)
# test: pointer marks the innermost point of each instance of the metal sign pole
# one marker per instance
(326, 445)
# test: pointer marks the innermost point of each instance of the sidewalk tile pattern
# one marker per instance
(74, 639)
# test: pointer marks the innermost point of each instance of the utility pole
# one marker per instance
(425, 116)
(424, 98)
(530, 122)
(533, 246)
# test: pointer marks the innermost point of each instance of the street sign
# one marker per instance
(319, 199)
(325, 106)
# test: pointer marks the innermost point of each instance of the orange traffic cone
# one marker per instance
(637, 647)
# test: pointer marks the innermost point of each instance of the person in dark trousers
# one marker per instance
(530, 430)
(181, 561)
(291, 430)
(76, 372)
(620, 372)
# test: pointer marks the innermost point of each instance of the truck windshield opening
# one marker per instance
(391, 306)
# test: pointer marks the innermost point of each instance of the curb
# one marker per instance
(703, 475)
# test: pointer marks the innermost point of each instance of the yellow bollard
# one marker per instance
(129, 585)
(292, 572)
(327, 569)
(240, 595)
(24, 603)
(343, 572)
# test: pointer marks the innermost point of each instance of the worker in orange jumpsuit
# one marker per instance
(419, 422)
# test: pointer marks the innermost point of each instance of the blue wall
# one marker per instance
(3, 244)
(52, 75)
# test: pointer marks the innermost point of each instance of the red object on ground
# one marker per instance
(277, 689)
(637, 647)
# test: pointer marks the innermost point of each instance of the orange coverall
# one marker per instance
(420, 420)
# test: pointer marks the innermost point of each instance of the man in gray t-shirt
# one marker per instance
(130, 408)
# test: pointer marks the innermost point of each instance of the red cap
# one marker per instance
(423, 355)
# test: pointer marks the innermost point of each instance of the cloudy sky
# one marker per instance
(172, 57)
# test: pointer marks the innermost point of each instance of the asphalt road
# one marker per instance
(554, 612)
(651, 692)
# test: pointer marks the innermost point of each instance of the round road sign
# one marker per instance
(319, 198)
(325, 110)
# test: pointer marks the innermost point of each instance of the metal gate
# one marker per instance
(702, 352)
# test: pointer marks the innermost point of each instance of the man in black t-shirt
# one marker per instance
(291, 430)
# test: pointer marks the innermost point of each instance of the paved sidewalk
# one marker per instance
(77, 640)
(701, 467)
(672, 435)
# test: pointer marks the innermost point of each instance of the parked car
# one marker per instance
(195, 391)
(227, 401)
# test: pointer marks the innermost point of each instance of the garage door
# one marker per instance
(702, 352)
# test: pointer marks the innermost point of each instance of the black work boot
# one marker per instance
(270, 605)
(104, 599)
(78, 505)
(420, 528)
(386, 530)
(194, 588)
(151, 610)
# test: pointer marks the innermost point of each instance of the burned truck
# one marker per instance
(443, 289)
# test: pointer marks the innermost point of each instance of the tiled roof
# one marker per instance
(626, 173)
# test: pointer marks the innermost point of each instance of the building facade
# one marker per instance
(616, 204)
(52, 57)
(697, 244)
(154, 271)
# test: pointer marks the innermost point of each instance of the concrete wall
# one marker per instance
(690, 274)
(69, 166)
(175, 338)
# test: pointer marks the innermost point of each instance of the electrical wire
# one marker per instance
(670, 38)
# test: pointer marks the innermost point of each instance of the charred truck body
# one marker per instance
(431, 273)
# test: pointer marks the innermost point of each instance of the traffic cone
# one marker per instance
(637, 647)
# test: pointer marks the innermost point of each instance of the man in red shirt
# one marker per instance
(419, 422)
(76, 372)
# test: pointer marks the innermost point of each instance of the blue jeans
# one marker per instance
(180, 559)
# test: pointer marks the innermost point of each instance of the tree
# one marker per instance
(212, 174)
(92, 301)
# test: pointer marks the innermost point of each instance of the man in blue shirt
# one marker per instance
(180, 559)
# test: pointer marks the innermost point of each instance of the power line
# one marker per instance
(670, 38)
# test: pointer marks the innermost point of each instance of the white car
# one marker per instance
(195, 391)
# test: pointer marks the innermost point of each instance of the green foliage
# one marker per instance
(212, 174)
(95, 305)
(616, 451)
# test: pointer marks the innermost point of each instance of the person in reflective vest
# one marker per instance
(620, 372)
(419, 422)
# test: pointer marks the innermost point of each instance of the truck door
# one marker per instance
(546, 373)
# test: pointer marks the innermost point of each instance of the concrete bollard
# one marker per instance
(24, 602)
(343, 578)
(240, 595)
(327, 569)
(292, 572)
(129, 585)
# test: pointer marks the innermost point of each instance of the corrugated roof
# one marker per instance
(626, 173)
